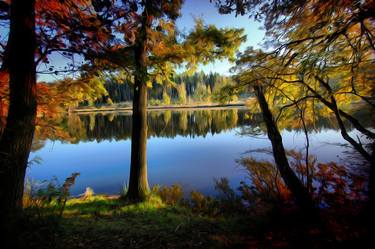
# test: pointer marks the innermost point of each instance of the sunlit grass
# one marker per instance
(149, 224)
(111, 205)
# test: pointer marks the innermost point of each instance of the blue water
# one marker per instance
(191, 161)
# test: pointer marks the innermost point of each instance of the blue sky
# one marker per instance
(208, 12)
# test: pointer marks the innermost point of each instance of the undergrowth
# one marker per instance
(259, 214)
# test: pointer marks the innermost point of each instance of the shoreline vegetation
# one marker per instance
(128, 108)
(104, 221)
(168, 219)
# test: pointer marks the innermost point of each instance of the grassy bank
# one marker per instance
(110, 222)
(256, 215)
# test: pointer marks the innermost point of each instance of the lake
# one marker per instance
(188, 147)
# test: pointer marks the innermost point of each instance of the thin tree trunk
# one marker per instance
(299, 191)
(331, 106)
(16, 140)
(138, 183)
(371, 187)
(309, 174)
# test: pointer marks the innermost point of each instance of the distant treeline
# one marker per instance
(160, 124)
(74, 128)
(186, 123)
(199, 87)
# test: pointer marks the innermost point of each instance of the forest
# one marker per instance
(187, 124)
(185, 89)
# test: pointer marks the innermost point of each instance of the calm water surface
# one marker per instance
(190, 148)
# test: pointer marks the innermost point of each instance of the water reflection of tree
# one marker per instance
(187, 123)
(74, 128)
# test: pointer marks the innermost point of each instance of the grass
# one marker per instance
(108, 222)
(100, 222)
(166, 220)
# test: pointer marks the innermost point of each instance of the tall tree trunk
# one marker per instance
(371, 187)
(16, 140)
(138, 183)
(299, 191)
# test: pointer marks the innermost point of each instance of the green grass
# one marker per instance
(107, 222)
(110, 222)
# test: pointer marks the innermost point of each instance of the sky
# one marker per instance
(207, 11)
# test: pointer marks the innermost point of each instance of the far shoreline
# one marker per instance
(152, 108)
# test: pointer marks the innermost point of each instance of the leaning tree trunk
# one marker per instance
(299, 191)
(16, 140)
(138, 183)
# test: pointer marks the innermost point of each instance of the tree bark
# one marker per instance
(16, 140)
(371, 187)
(138, 183)
(299, 191)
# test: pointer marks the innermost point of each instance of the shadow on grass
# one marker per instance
(107, 222)
(101, 222)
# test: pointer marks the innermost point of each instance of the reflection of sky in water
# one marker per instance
(191, 162)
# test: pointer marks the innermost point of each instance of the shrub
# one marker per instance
(170, 195)
(51, 198)
(227, 199)
(204, 204)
